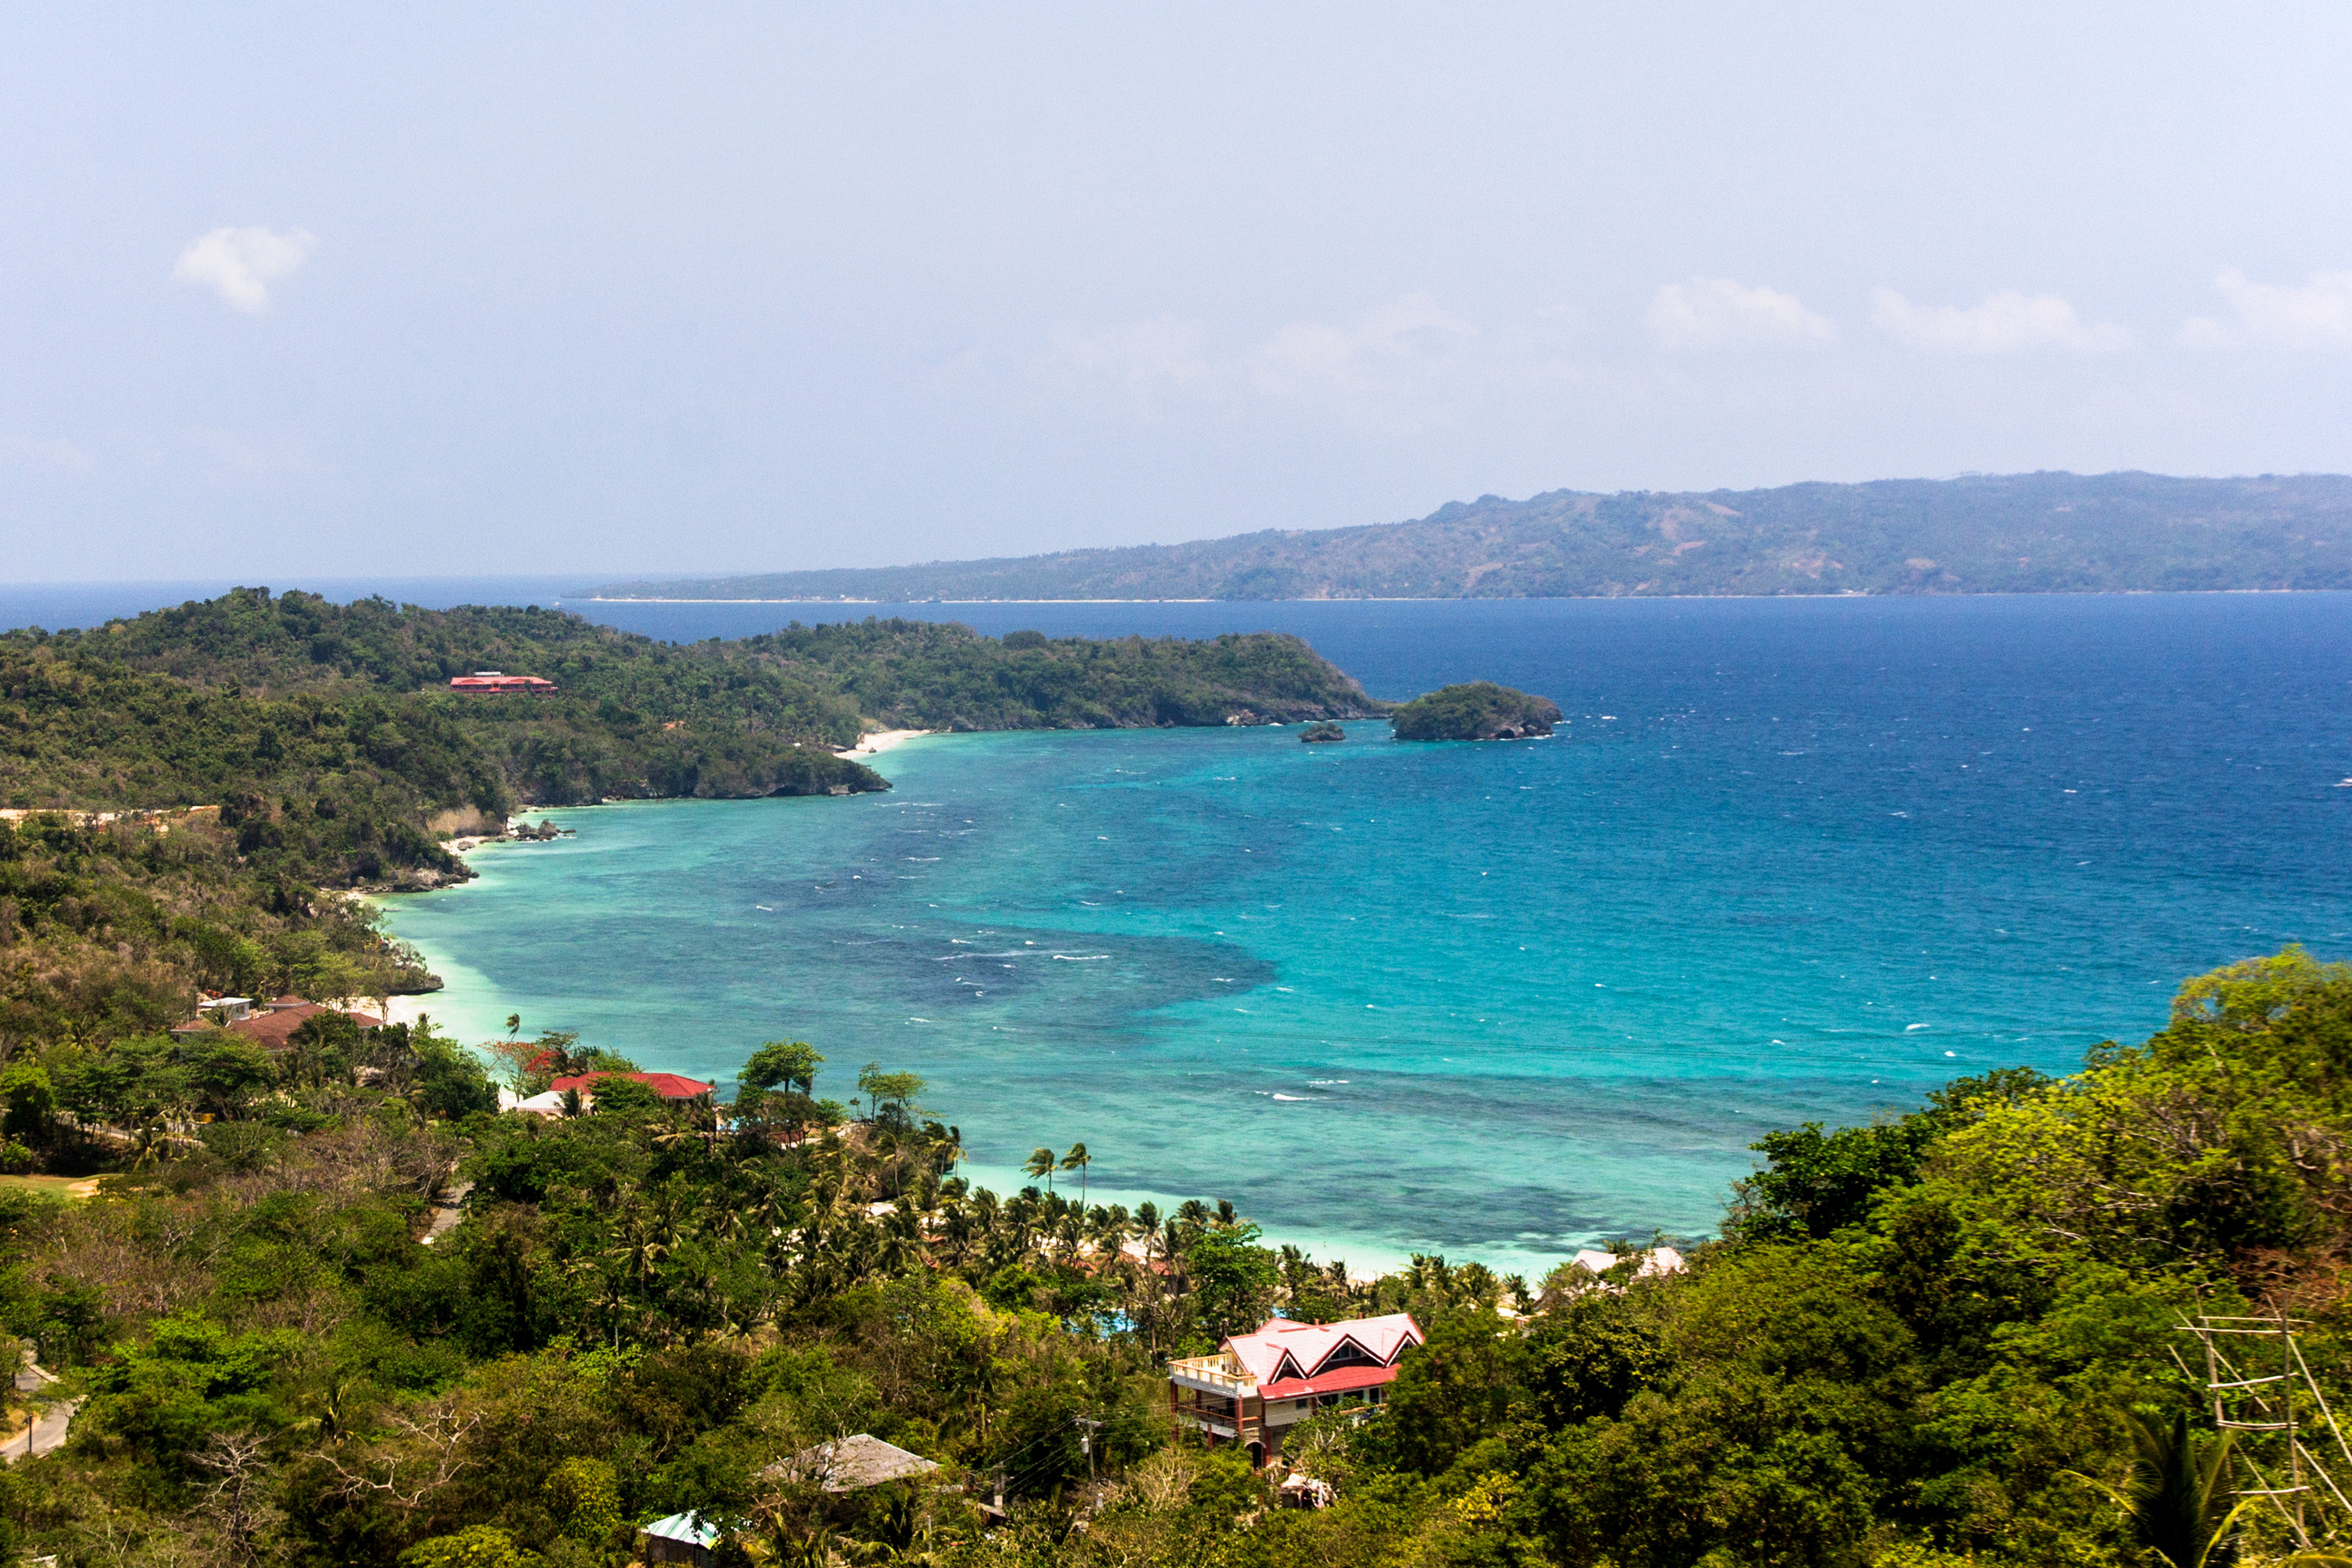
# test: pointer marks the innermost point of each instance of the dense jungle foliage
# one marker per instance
(108, 930)
(329, 735)
(1946, 1339)
(1477, 710)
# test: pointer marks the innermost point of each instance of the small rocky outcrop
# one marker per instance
(1478, 710)
(1324, 731)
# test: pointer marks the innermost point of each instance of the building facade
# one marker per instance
(1259, 1385)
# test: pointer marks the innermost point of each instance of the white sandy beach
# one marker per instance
(882, 740)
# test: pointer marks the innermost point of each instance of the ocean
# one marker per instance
(1789, 859)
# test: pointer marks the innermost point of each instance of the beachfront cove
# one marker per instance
(1495, 1000)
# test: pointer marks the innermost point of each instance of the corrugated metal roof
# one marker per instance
(689, 1528)
(1309, 1345)
(1340, 1380)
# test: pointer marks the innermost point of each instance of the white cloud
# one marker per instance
(2006, 323)
(240, 264)
(1143, 354)
(1720, 313)
(2316, 315)
(1388, 351)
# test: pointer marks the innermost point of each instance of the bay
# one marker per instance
(1789, 859)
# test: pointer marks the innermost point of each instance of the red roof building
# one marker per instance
(1259, 1385)
(669, 1085)
(272, 1027)
(492, 683)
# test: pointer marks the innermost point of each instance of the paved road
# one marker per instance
(447, 1212)
(49, 1429)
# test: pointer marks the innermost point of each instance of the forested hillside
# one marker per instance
(1953, 1338)
(304, 713)
(1947, 1340)
(329, 753)
(2029, 533)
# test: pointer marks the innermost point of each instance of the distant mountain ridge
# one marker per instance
(2025, 533)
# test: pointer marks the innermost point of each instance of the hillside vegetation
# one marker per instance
(1944, 1340)
(1477, 710)
(2029, 533)
(329, 735)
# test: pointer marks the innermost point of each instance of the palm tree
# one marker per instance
(1041, 1163)
(641, 1251)
(947, 1149)
(150, 1146)
(1077, 1160)
(987, 1213)
(2177, 1496)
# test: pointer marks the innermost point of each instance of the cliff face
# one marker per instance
(1478, 711)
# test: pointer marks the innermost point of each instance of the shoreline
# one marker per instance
(469, 1009)
(873, 743)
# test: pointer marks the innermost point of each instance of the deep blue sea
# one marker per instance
(1789, 859)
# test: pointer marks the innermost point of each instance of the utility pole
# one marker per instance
(1088, 1427)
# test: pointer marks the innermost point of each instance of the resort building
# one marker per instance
(269, 1025)
(667, 1085)
(549, 1101)
(494, 683)
(1259, 1385)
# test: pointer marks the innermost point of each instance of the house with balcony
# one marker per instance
(1259, 1385)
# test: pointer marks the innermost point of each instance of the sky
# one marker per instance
(610, 290)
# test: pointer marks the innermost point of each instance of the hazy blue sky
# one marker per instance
(347, 289)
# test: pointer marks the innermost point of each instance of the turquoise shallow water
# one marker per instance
(1787, 862)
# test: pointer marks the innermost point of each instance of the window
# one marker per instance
(1348, 1353)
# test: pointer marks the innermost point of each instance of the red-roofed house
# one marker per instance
(274, 1024)
(669, 1085)
(1259, 1385)
(493, 682)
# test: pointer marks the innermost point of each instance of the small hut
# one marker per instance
(686, 1538)
(851, 1464)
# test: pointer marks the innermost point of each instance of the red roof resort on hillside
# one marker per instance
(1259, 1385)
(491, 683)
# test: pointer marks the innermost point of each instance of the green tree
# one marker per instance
(890, 1096)
(30, 1100)
(2177, 1501)
(786, 1064)
(1234, 1278)
(1454, 1390)
(476, 1546)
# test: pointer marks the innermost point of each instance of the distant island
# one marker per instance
(1478, 710)
(2026, 533)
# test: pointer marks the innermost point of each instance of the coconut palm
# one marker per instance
(641, 1251)
(2177, 1496)
(987, 1212)
(1077, 1160)
(1040, 1166)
